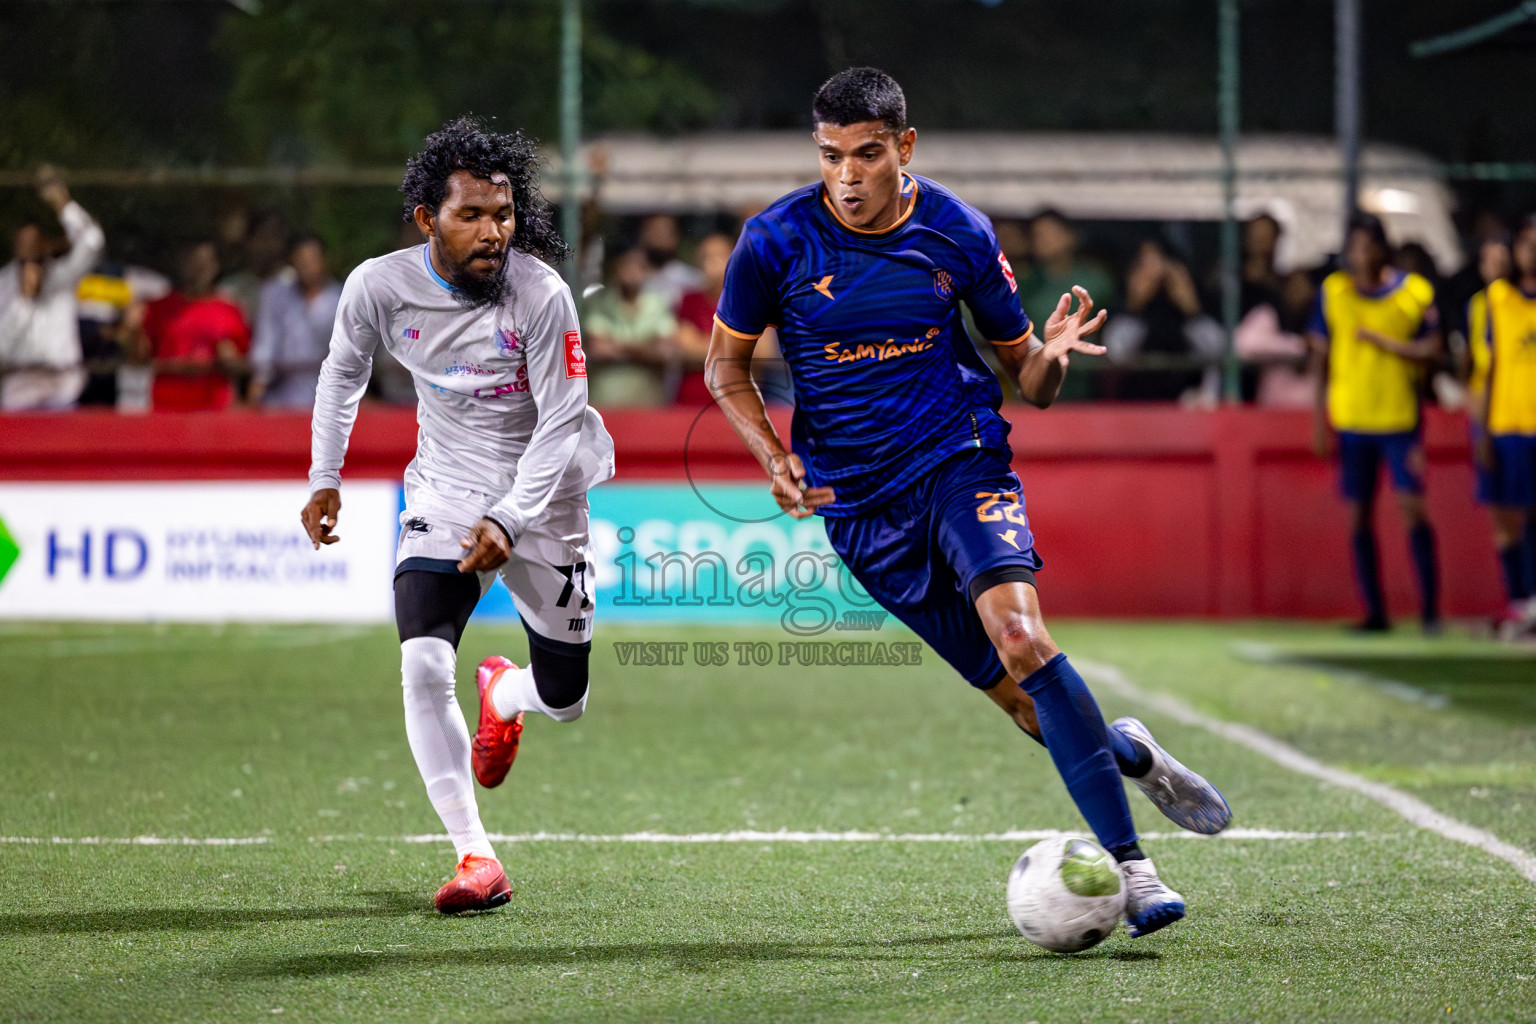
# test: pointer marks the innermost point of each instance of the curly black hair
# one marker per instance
(467, 144)
(860, 94)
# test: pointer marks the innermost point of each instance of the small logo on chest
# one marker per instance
(825, 286)
(411, 334)
(943, 284)
(507, 341)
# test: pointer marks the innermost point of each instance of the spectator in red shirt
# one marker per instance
(696, 317)
(198, 341)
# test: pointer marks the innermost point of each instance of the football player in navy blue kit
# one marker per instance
(897, 442)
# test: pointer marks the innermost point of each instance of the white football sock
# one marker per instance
(439, 739)
(516, 691)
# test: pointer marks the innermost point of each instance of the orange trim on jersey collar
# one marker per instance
(1021, 339)
(733, 332)
(827, 200)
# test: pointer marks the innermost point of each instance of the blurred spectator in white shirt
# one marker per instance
(40, 361)
(671, 276)
(293, 329)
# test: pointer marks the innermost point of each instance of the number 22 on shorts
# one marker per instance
(1007, 508)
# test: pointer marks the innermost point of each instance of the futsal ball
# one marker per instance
(1065, 894)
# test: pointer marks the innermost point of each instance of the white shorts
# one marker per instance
(548, 574)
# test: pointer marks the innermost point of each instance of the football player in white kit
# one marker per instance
(506, 452)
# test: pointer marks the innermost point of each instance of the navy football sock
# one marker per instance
(1078, 742)
(1368, 574)
(1512, 561)
(1134, 759)
(1421, 541)
(1529, 546)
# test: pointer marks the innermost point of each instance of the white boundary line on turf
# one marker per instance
(790, 836)
(744, 836)
(133, 841)
(1411, 809)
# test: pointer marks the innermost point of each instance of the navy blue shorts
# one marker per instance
(1361, 456)
(1512, 478)
(918, 554)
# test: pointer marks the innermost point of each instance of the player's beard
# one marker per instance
(476, 291)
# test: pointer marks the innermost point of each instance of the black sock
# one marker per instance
(1130, 851)
(1512, 561)
(1368, 574)
(1133, 757)
(1421, 541)
(1529, 546)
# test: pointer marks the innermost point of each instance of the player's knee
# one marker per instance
(560, 676)
(1023, 645)
(427, 664)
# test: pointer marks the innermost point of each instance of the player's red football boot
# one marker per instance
(495, 744)
(479, 885)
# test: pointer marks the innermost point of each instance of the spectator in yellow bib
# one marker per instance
(1502, 337)
(1373, 331)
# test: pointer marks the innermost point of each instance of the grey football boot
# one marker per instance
(1184, 797)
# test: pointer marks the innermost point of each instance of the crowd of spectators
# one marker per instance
(245, 317)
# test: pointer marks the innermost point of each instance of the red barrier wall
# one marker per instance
(1137, 510)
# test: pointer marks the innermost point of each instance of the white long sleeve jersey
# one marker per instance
(504, 424)
(45, 330)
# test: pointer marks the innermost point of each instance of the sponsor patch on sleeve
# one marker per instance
(575, 358)
(1002, 261)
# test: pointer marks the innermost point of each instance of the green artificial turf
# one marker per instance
(291, 738)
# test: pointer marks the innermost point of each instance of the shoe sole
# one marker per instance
(497, 774)
(490, 779)
(489, 903)
(1210, 816)
(1162, 917)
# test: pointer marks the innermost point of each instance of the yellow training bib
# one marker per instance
(1504, 341)
(1371, 390)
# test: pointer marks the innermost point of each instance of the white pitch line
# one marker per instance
(792, 836)
(1411, 809)
(134, 840)
(741, 836)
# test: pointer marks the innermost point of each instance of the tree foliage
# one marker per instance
(318, 82)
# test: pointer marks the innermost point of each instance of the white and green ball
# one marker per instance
(1065, 894)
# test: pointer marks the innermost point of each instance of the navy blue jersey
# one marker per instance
(887, 382)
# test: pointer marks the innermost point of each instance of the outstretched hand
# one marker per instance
(51, 188)
(789, 488)
(319, 516)
(1064, 331)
